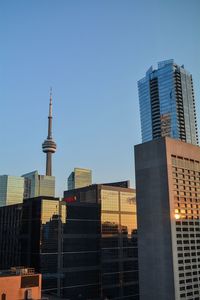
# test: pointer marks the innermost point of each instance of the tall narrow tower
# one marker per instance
(49, 146)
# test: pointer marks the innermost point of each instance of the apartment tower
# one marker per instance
(167, 105)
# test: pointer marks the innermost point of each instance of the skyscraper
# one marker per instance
(49, 146)
(167, 105)
(100, 243)
(79, 178)
(11, 190)
(10, 227)
(38, 185)
(39, 238)
(85, 246)
(168, 212)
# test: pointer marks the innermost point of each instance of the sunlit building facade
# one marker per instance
(167, 104)
(168, 210)
(79, 178)
(20, 283)
(104, 244)
(38, 185)
(85, 246)
(11, 190)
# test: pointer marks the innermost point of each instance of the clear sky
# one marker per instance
(92, 52)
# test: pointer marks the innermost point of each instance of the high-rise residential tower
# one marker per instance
(167, 105)
(168, 213)
(49, 146)
(79, 178)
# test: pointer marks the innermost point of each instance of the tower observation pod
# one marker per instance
(49, 146)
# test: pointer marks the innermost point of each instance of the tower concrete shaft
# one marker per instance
(49, 146)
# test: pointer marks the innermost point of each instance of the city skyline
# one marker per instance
(93, 55)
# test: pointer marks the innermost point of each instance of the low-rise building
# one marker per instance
(20, 283)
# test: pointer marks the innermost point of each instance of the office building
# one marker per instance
(11, 190)
(49, 145)
(38, 185)
(79, 178)
(10, 226)
(168, 211)
(167, 105)
(20, 283)
(100, 243)
(80, 266)
(39, 238)
(85, 246)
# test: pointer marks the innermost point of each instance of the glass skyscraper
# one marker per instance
(100, 257)
(11, 190)
(167, 105)
(36, 185)
(85, 246)
(79, 178)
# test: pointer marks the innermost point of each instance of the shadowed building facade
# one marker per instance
(168, 211)
(39, 238)
(10, 228)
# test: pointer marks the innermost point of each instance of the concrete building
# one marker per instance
(168, 210)
(36, 185)
(11, 190)
(49, 145)
(79, 178)
(167, 105)
(20, 283)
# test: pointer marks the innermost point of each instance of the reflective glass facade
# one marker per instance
(101, 236)
(85, 246)
(119, 255)
(167, 106)
(11, 190)
(80, 255)
(38, 185)
(39, 239)
(10, 226)
(79, 178)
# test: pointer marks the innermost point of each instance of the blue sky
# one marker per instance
(92, 53)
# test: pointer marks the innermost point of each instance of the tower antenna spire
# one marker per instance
(49, 146)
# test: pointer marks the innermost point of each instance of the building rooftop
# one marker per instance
(17, 271)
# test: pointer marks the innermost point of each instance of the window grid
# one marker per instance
(186, 189)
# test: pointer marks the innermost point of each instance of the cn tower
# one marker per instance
(49, 146)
